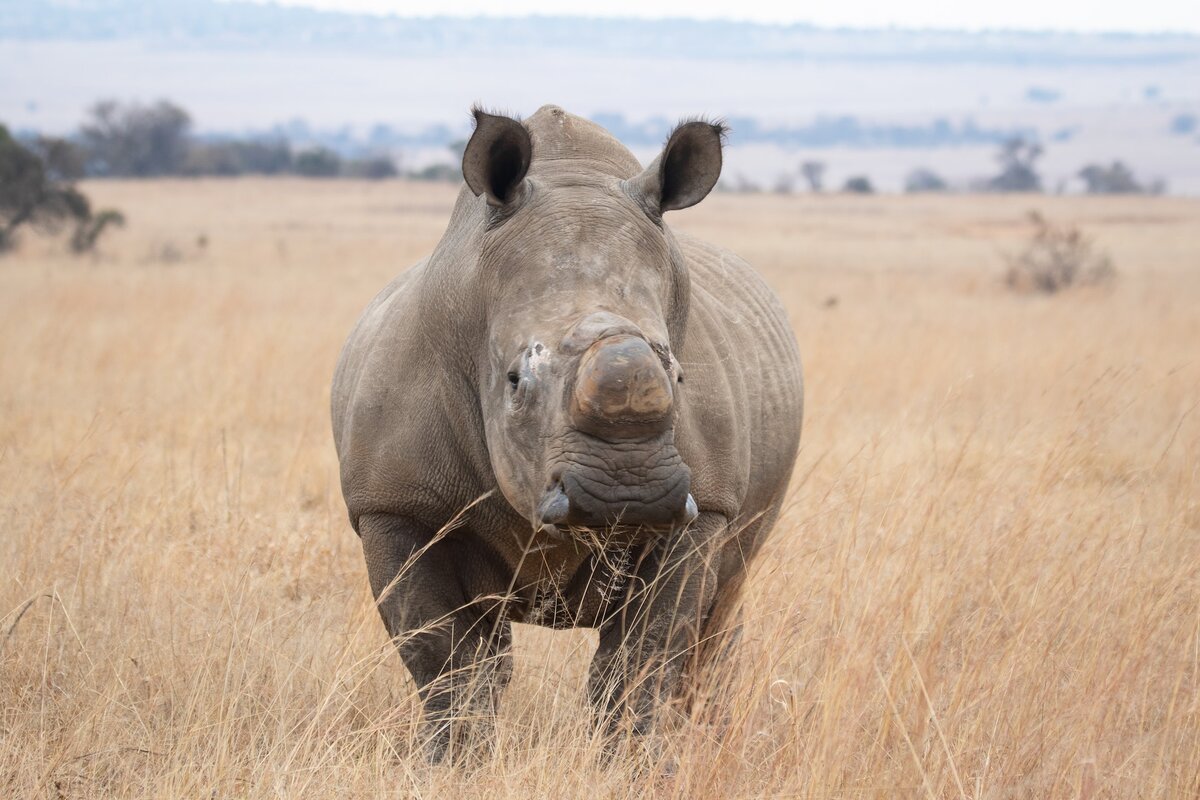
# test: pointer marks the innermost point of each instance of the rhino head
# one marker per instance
(585, 299)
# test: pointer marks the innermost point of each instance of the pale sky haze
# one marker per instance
(1079, 15)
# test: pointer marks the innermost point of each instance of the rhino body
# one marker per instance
(566, 415)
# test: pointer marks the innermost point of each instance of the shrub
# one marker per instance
(1116, 179)
(372, 168)
(1057, 257)
(859, 184)
(239, 157)
(924, 180)
(319, 162)
(441, 173)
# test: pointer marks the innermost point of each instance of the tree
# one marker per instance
(858, 184)
(922, 179)
(1017, 174)
(135, 140)
(814, 173)
(372, 168)
(31, 194)
(318, 162)
(63, 160)
(238, 157)
(1114, 179)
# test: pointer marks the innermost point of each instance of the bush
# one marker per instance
(859, 184)
(319, 162)
(238, 157)
(1116, 179)
(1057, 258)
(373, 168)
(924, 180)
(440, 173)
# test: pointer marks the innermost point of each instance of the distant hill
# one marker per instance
(207, 23)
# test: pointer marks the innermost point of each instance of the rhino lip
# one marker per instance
(554, 512)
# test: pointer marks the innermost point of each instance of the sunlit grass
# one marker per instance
(986, 582)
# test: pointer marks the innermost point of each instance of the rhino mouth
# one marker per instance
(632, 483)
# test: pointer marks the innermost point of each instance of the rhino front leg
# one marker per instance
(457, 648)
(647, 641)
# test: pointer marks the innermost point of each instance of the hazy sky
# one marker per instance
(1090, 15)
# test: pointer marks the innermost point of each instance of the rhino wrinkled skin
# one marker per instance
(567, 415)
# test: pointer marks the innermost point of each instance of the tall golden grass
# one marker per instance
(986, 583)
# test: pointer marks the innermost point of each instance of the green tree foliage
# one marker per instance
(33, 193)
(318, 162)
(372, 168)
(135, 140)
(858, 184)
(238, 157)
(814, 174)
(923, 179)
(1017, 159)
(1116, 179)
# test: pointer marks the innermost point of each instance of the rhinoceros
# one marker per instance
(567, 415)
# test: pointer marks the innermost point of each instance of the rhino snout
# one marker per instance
(575, 501)
(621, 389)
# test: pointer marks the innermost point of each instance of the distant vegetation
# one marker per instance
(814, 174)
(140, 141)
(858, 184)
(1018, 171)
(923, 179)
(37, 191)
(143, 141)
(1057, 257)
(1116, 178)
(844, 130)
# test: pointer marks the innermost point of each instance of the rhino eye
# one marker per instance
(514, 379)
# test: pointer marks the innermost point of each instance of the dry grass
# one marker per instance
(987, 583)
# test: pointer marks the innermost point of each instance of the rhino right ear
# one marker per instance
(686, 171)
(497, 158)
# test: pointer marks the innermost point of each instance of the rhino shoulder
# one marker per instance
(394, 411)
(744, 392)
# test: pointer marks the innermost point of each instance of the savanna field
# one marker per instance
(986, 582)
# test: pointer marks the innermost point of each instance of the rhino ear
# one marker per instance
(686, 170)
(497, 158)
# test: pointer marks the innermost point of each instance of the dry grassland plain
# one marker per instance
(986, 583)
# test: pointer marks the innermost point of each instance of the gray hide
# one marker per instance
(567, 415)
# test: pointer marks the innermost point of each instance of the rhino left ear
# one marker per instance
(686, 170)
(497, 157)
